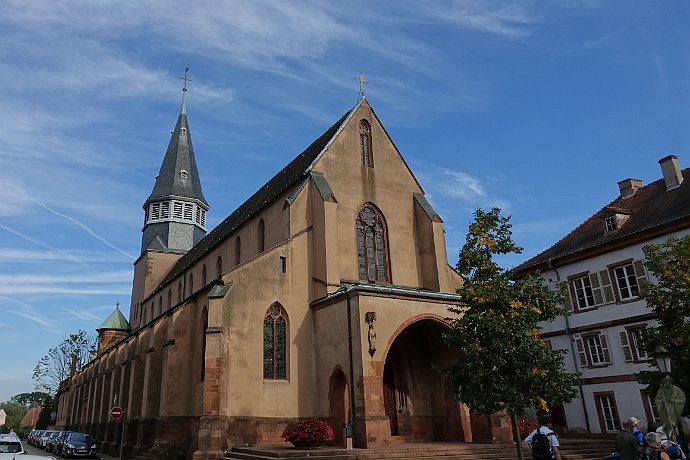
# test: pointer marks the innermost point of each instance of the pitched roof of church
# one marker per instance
(651, 208)
(178, 157)
(116, 321)
(291, 174)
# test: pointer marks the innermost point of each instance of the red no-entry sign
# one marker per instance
(116, 413)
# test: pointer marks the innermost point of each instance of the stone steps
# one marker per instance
(576, 449)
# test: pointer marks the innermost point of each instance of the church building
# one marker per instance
(325, 294)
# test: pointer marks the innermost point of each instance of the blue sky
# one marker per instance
(539, 108)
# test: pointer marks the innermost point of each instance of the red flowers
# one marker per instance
(526, 426)
(307, 432)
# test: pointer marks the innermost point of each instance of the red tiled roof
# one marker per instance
(651, 208)
(31, 417)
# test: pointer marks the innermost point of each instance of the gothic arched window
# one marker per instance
(203, 275)
(372, 245)
(169, 297)
(365, 144)
(238, 250)
(275, 340)
(219, 267)
(261, 236)
(191, 283)
(179, 291)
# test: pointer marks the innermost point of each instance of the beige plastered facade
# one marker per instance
(190, 373)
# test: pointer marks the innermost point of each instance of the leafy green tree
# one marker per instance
(45, 418)
(669, 297)
(35, 398)
(503, 365)
(55, 367)
(15, 413)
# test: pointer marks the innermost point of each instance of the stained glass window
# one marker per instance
(372, 257)
(275, 343)
(365, 144)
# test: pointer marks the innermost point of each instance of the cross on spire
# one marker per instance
(185, 79)
(362, 81)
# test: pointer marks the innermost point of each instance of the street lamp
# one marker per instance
(663, 359)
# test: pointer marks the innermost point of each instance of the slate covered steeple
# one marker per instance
(175, 212)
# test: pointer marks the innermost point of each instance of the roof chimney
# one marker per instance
(671, 171)
(628, 187)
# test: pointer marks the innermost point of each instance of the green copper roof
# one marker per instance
(183, 109)
(116, 321)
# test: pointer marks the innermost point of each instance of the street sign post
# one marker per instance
(116, 413)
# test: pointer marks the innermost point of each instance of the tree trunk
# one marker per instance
(516, 436)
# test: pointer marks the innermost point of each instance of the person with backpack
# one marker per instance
(655, 451)
(636, 430)
(543, 441)
(626, 444)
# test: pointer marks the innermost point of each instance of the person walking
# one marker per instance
(627, 445)
(654, 449)
(543, 441)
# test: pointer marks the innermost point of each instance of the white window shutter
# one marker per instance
(640, 273)
(606, 287)
(581, 352)
(596, 289)
(605, 348)
(570, 298)
(627, 349)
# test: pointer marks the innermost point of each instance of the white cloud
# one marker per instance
(30, 256)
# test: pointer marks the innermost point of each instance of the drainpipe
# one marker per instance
(572, 350)
(352, 368)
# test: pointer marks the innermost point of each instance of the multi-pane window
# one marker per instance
(372, 257)
(608, 412)
(636, 336)
(275, 339)
(627, 282)
(652, 407)
(583, 292)
(365, 144)
(611, 223)
(595, 350)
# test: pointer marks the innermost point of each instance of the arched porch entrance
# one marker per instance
(416, 402)
(339, 405)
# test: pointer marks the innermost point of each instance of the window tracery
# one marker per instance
(275, 340)
(372, 250)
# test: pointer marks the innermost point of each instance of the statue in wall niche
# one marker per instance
(370, 317)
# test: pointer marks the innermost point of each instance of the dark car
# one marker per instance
(60, 442)
(50, 441)
(78, 445)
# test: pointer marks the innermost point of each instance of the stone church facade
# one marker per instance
(323, 295)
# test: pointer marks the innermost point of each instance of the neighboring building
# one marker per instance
(602, 260)
(323, 295)
(31, 417)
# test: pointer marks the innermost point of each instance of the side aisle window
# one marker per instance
(275, 343)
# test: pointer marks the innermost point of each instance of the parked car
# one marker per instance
(78, 445)
(60, 442)
(33, 436)
(49, 440)
(42, 439)
(10, 445)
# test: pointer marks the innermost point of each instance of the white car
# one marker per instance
(10, 445)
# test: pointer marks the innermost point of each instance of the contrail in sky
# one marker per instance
(85, 228)
(42, 244)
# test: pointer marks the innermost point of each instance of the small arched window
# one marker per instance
(160, 305)
(219, 267)
(261, 236)
(191, 283)
(238, 250)
(372, 245)
(202, 344)
(275, 340)
(169, 297)
(365, 144)
(179, 291)
(203, 275)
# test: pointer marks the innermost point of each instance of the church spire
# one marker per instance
(176, 209)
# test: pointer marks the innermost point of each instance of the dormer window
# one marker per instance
(183, 174)
(611, 224)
